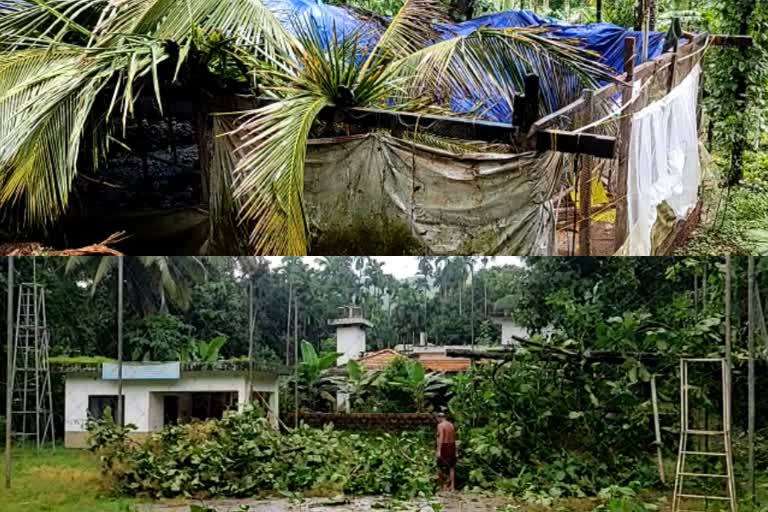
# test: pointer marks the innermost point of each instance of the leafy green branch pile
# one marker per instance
(555, 429)
(243, 455)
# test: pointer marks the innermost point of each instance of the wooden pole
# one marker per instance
(728, 311)
(120, 418)
(657, 429)
(672, 71)
(625, 132)
(251, 322)
(751, 377)
(296, 361)
(585, 182)
(9, 376)
(761, 317)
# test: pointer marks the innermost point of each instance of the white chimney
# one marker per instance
(350, 333)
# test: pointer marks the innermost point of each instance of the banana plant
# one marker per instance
(360, 383)
(316, 384)
(412, 379)
(202, 351)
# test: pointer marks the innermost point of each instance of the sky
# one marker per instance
(403, 266)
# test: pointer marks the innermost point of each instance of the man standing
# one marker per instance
(446, 451)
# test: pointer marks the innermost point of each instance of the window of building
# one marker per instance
(98, 404)
(213, 405)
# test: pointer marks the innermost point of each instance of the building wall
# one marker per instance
(510, 328)
(144, 399)
(350, 342)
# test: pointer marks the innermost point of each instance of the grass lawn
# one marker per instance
(61, 480)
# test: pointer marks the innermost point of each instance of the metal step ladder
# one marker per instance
(681, 498)
(30, 378)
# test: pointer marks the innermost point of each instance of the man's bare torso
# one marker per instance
(446, 433)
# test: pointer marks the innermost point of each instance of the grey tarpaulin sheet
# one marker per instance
(479, 203)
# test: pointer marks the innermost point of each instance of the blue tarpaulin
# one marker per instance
(605, 39)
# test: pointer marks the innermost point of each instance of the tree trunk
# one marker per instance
(472, 303)
(288, 324)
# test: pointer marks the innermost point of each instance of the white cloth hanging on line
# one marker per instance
(663, 162)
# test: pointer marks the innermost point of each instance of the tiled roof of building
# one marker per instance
(445, 364)
(378, 360)
(435, 362)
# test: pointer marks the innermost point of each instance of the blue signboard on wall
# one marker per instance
(143, 371)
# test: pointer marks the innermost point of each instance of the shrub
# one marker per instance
(108, 439)
(242, 455)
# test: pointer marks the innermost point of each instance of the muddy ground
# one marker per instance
(447, 502)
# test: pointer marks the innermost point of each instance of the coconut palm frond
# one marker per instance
(328, 66)
(270, 176)
(494, 63)
(46, 103)
(50, 19)
(269, 179)
(410, 30)
(226, 233)
(249, 23)
(455, 146)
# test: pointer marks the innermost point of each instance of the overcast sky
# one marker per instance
(403, 266)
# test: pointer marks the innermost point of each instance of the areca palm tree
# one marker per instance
(72, 70)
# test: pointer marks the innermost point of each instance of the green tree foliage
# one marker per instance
(157, 338)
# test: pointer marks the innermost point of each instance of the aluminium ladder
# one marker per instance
(680, 495)
(30, 378)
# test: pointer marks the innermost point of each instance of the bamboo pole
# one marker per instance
(625, 132)
(9, 376)
(657, 429)
(751, 376)
(120, 405)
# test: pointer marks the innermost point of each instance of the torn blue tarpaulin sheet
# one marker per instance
(604, 39)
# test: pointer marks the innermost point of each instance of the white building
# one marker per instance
(158, 394)
(510, 328)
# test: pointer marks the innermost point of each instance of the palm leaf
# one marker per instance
(47, 96)
(493, 64)
(47, 19)
(248, 22)
(226, 233)
(269, 178)
(410, 30)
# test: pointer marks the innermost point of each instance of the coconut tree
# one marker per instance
(152, 281)
(71, 72)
